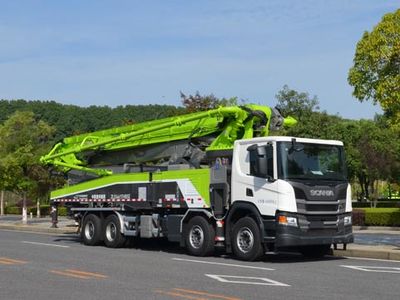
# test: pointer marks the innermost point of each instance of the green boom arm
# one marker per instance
(228, 123)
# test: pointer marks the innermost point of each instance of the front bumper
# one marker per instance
(313, 233)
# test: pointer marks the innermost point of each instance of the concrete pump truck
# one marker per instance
(208, 179)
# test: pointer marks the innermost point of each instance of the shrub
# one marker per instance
(13, 210)
(361, 204)
(358, 217)
(44, 210)
(382, 216)
(379, 204)
(29, 203)
(62, 211)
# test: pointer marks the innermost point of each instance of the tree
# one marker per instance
(296, 103)
(372, 147)
(300, 106)
(23, 139)
(375, 74)
(197, 102)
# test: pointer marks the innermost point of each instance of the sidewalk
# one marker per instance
(373, 242)
(370, 242)
(43, 225)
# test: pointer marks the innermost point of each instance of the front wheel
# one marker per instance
(199, 237)
(246, 241)
(112, 232)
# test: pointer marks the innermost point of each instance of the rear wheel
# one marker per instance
(246, 241)
(199, 237)
(112, 232)
(91, 230)
(315, 251)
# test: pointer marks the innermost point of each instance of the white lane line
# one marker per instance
(373, 259)
(246, 280)
(374, 269)
(222, 264)
(44, 244)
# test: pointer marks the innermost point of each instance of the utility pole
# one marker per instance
(24, 211)
(2, 203)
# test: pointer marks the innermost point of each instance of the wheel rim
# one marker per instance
(89, 230)
(111, 231)
(245, 240)
(196, 237)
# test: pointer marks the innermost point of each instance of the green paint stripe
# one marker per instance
(98, 182)
(200, 178)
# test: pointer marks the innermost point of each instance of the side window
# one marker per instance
(253, 161)
(261, 161)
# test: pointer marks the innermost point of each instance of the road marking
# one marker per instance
(374, 269)
(222, 264)
(78, 274)
(192, 294)
(10, 261)
(373, 259)
(206, 294)
(44, 244)
(178, 295)
(246, 280)
(98, 275)
(68, 274)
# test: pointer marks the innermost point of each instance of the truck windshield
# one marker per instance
(311, 161)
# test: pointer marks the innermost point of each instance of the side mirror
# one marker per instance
(261, 161)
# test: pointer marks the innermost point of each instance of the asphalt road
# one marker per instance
(42, 266)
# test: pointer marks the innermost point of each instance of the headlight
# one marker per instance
(288, 221)
(347, 220)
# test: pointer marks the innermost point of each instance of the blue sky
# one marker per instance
(145, 52)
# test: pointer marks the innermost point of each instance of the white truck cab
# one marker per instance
(298, 187)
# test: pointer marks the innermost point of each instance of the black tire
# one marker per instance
(246, 241)
(91, 232)
(199, 237)
(112, 232)
(315, 251)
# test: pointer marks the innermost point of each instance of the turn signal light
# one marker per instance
(289, 221)
(282, 220)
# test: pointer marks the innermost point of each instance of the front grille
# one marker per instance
(299, 193)
(312, 205)
(320, 218)
(322, 207)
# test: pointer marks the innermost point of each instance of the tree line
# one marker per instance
(28, 129)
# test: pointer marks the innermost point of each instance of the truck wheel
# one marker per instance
(199, 237)
(112, 233)
(315, 251)
(246, 242)
(91, 230)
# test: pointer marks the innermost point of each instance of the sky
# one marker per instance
(145, 52)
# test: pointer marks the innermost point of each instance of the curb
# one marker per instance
(39, 229)
(368, 253)
(376, 228)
